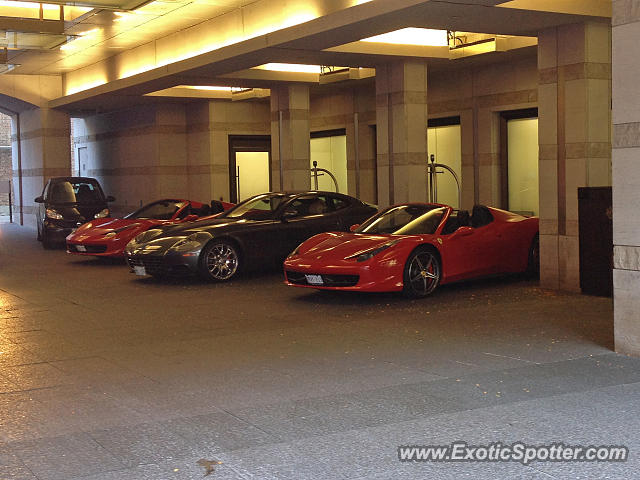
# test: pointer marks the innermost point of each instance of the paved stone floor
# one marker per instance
(105, 376)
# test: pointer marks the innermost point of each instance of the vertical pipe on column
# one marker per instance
(20, 198)
(356, 140)
(280, 150)
(390, 147)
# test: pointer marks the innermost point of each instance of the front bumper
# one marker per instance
(366, 277)
(169, 263)
(58, 232)
(93, 249)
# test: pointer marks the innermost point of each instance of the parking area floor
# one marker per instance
(107, 376)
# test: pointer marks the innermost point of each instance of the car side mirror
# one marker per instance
(463, 232)
(354, 227)
(39, 199)
(111, 198)
(288, 215)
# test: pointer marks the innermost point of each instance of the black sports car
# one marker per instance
(259, 232)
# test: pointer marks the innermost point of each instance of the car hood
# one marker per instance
(77, 212)
(210, 225)
(343, 245)
(101, 227)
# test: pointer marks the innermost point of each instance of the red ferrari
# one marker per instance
(107, 237)
(416, 247)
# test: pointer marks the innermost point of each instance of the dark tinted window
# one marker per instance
(340, 203)
(309, 205)
(75, 191)
(261, 207)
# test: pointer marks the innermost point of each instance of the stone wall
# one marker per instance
(5, 159)
(626, 175)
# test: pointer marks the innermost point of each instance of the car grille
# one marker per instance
(298, 278)
(153, 265)
(89, 248)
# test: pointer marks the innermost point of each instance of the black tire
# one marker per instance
(422, 273)
(46, 242)
(219, 261)
(533, 262)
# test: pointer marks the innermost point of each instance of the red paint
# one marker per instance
(98, 233)
(501, 246)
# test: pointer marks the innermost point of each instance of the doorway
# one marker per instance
(329, 149)
(249, 166)
(82, 161)
(519, 161)
(444, 141)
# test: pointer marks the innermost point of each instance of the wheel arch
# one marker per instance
(226, 238)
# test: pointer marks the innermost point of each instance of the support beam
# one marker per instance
(401, 111)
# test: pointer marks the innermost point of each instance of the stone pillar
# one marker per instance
(41, 148)
(626, 176)
(290, 153)
(401, 119)
(574, 95)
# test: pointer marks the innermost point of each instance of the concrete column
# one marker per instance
(290, 154)
(626, 176)
(41, 148)
(574, 96)
(401, 119)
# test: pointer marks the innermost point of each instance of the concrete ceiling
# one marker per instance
(330, 39)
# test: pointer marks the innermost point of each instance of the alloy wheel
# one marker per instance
(423, 273)
(221, 261)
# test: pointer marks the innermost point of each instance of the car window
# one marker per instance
(405, 220)
(75, 191)
(340, 203)
(162, 210)
(308, 205)
(261, 207)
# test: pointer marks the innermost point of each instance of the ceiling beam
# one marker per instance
(31, 25)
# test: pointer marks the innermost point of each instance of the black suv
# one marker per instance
(65, 204)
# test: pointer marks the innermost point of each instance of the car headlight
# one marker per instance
(364, 256)
(146, 236)
(51, 213)
(102, 213)
(191, 242)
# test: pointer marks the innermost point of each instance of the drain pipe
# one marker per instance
(280, 150)
(19, 147)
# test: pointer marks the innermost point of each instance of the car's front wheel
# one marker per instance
(47, 244)
(220, 261)
(422, 273)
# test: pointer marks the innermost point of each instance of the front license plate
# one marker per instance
(138, 270)
(314, 279)
(81, 248)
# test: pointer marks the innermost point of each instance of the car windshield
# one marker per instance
(83, 191)
(405, 220)
(162, 210)
(262, 207)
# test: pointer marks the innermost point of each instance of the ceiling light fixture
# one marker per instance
(412, 36)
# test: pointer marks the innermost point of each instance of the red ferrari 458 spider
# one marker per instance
(416, 247)
(107, 237)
